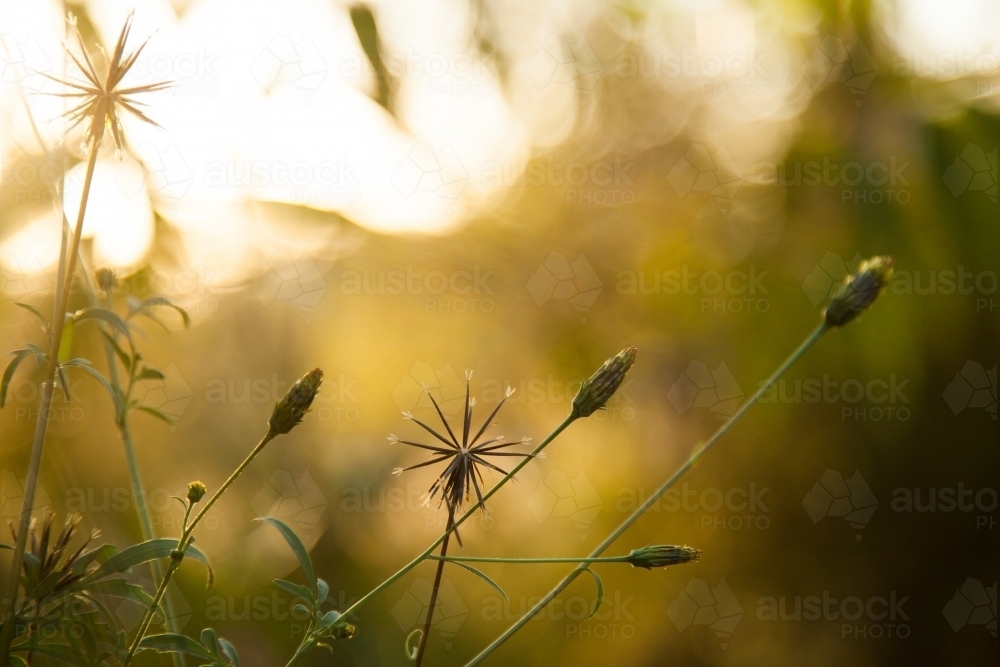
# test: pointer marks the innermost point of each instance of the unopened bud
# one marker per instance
(106, 280)
(859, 291)
(288, 412)
(662, 555)
(196, 491)
(344, 631)
(602, 385)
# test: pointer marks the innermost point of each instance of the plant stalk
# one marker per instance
(697, 454)
(526, 561)
(307, 644)
(434, 592)
(185, 541)
(48, 387)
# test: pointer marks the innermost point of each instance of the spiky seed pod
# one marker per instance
(101, 100)
(464, 453)
(288, 412)
(662, 555)
(859, 291)
(196, 491)
(603, 384)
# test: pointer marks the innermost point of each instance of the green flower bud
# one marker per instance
(859, 291)
(196, 491)
(662, 555)
(288, 412)
(602, 385)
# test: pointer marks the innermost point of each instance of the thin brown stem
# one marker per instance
(434, 592)
(48, 387)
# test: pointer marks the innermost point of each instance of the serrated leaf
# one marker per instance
(295, 589)
(84, 365)
(156, 413)
(482, 576)
(34, 311)
(600, 592)
(174, 643)
(8, 374)
(229, 651)
(298, 548)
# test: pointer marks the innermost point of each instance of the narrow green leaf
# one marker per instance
(143, 553)
(8, 374)
(323, 590)
(600, 592)
(173, 643)
(483, 577)
(120, 588)
(104, 315)
(210, 641)
(159, 301)
(150, 373)
(156, 413)
(84, 365)
(34, 311)
(66, 342)
(122, 356)
(294, 589)
(297, 547)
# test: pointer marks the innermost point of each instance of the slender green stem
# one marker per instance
(48, 387)
(525, 561)
(187, 538)
(308, 644)
(697, 454)
(434, 594)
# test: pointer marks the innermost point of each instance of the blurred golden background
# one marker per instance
(397, 192)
